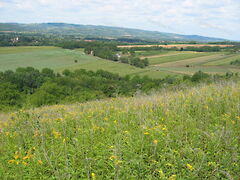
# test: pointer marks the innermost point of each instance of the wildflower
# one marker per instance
(93, 175)
(155, 142)
(172, 177)
(105, 118)
(169, 164)
(161, 174)
(212, 164)
(56, 134)
(113, 157)
(16, 156)
(190, 167)
(40, 162)
(12, 161)
(24, 163)
(28, 156)
(146, 133)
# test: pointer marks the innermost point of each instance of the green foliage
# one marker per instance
(198, 76)
(49, 93)
(10, 97)
(47, 88)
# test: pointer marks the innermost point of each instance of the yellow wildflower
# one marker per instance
(28, 156)
(56, 134)
(12, 161)
(93, 175)
(172, 177)
(155, 142)
(161, 174)
(146, 133)
(113, 157)
(190, 167)
(24, 163)
(40, 162)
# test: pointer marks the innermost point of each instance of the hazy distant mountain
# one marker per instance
(101, 32)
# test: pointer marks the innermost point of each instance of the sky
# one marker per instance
(213, 18)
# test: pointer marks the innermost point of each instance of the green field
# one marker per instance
(162, 63)
(59, 59)
(186, 134)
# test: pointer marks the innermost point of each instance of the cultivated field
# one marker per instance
(162, 63)
(176, 45)
(189, 62)
(59, 59)
(188, 134)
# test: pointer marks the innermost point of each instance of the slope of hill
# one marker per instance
(189, 134)
(102, 32)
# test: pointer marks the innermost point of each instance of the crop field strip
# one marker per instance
(192, 61)
(204, 63)
(176, 45)
(176, 57)
(224, 61)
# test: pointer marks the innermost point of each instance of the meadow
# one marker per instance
(59, 59)
(184, 133)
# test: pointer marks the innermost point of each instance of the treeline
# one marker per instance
(202, 49)
(29, 87)
(28, 39)
(190, 48)
(135, 61)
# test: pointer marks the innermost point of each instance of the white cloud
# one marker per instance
(206, 17)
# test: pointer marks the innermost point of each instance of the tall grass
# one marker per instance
(189, 134)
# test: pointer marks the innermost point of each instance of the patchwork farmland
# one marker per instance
(161, 63)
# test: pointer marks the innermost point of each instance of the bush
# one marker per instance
(198, 76)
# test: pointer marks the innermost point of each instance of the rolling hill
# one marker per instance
(101, 32)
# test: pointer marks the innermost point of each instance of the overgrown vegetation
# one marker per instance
(29, 87)
(188, 134)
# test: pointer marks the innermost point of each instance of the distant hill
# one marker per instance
(102, 32)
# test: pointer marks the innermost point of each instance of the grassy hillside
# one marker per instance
(188, 134)
(59, 59)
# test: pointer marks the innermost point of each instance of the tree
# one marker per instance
(9, 96)
(48, 93)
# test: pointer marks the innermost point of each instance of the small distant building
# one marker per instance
(14, 40)
(118, 56)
